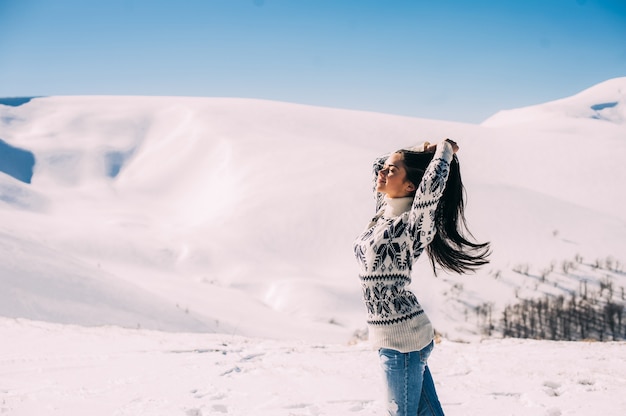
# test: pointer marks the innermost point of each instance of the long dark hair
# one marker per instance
(449, 248)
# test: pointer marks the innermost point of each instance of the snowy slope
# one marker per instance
(229, 222)
(225, 211)
(605, 101)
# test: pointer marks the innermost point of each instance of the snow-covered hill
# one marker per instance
(213, 214)
(605, 101)
(236, 217)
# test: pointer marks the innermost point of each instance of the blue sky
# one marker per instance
(460, 60)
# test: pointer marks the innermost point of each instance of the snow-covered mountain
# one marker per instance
(237, 215)
(605, 101)
(228, 223)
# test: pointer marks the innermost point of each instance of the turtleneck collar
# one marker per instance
(397, 206)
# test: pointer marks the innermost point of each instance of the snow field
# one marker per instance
(62, 369)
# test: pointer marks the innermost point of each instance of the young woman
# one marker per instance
(419, 206)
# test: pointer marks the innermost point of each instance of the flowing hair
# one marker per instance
(450, 248)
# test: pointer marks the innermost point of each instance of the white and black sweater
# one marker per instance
(386, 251)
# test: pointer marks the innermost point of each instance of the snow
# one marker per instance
(114, 371)
(175, 255)
(605, 101)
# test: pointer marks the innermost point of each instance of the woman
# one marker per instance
(419, 206)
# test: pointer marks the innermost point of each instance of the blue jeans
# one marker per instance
(410, 387)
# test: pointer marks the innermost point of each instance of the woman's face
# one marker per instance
(392, 178)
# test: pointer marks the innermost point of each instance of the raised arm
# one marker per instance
(429, 192)
(378, 165)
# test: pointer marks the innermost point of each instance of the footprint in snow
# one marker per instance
(251, 357)
(212, 395)
(193, 412)
(552, 388)
(310, 409)
(235, 369)
(219, 408)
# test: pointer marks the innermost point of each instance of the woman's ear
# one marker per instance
(410, 187)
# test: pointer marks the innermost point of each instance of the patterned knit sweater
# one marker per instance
(386, 251)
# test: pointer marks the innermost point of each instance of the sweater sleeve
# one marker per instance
(421, 223)
(379, 163)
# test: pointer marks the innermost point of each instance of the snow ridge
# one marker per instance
(605, 101)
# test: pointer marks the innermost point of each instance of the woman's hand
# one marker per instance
(427, 147)
(430, 148)
(455, 147)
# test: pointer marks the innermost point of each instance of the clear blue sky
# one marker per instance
(459, 60)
